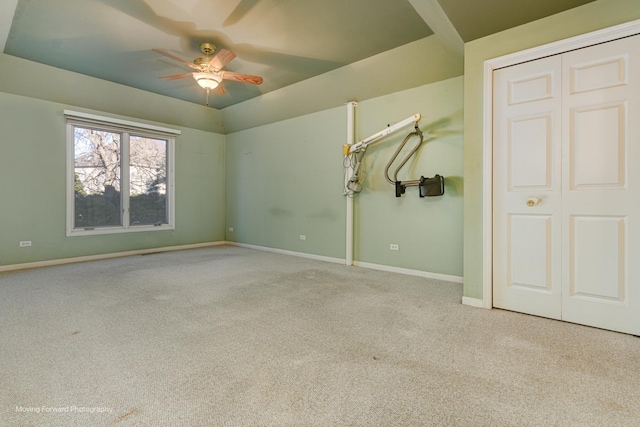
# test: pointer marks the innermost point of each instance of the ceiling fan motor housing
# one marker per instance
(201, 61)
(207, 48)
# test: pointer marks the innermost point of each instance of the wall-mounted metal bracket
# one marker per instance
(430, 187)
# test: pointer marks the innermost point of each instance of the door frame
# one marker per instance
(584, 40)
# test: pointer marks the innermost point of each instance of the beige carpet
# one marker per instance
(230, 336)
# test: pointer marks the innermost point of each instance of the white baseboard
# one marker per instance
(428, 275)
(436, 276)
(473, 302)
(53, 262)
(285, 252)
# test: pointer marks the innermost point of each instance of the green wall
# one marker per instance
(428, 230)
(33, 193)
(28, 78)
(286, 179)
(590, 17)
(415, 64)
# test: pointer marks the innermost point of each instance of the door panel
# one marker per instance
(597, 74)
(529, 247)
(598, 259)
(601, 186)
(598, 146)
(532, 86)
(529, 151)
(526, 186)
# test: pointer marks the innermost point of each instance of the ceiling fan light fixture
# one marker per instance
(207, 80)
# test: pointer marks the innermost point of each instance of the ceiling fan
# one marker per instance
(208, 69)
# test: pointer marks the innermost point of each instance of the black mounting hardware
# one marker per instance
(431, 186)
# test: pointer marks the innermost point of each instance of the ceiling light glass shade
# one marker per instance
(207, 80)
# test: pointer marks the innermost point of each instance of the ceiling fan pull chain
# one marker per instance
(207, 104)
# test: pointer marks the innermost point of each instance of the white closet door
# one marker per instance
(526, 188)
(566, 186)
(601, 185)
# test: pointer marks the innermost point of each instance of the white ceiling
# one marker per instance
(284, 41)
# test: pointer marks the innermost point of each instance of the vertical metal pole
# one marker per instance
(350, 140)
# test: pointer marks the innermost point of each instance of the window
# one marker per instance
(120, 176)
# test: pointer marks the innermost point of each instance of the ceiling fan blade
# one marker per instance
(176, 76)
(240, 11)
(176, 58)
(245, 78)
(220, 90)
(222, 58)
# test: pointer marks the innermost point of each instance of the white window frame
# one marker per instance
(126, 127)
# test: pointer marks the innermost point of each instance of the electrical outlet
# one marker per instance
(394, 247)
(230, 228)
(303, 237)
(25, 243)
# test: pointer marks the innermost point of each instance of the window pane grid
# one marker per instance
(121, 179)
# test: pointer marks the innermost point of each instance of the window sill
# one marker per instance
(118, 230)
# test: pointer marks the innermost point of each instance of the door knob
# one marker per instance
(532, 201)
